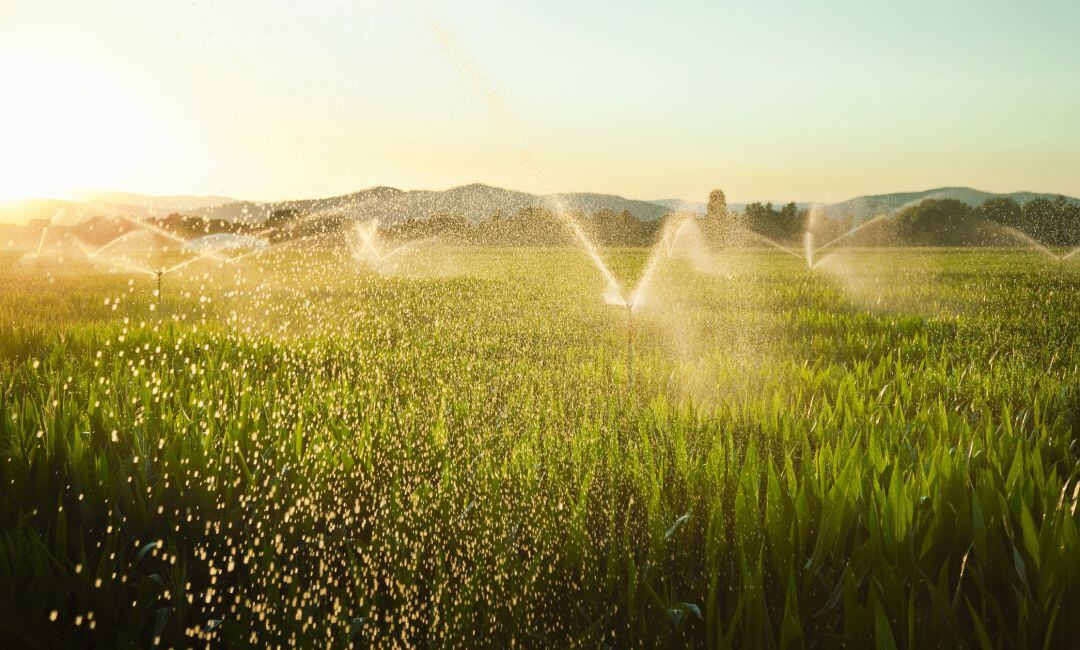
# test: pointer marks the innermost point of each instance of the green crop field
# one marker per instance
(294, 450)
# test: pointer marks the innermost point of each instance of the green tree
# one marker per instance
(1003, 210)
(717, 207)
(1038, 218)
(937, 222)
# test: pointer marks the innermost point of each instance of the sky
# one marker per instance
(768, 100)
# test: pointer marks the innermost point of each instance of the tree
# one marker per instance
(1003, 210)
(1065, 221)
(1038, 219)
(281, 218)
(785, 224)
(937, 222)
(717, 207)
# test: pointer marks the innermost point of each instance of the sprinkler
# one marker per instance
(158, 274)
(629, 345)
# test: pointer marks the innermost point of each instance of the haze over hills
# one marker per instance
(161, 205)
(866, 207)
(105, 203)
(476, 202)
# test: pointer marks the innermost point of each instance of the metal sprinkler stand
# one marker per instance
(159, 273)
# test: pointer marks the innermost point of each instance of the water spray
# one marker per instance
(1032, 242)
(810, 251)
(41, 242)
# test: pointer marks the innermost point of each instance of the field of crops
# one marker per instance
(296, 450)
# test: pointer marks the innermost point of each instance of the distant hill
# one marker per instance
(475, 202)
(103, 203)
(866, 207)
(861, 208)
(679, 205)
(156, 205)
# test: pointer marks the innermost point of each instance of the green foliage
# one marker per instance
(717, 206)
(300, 453)
(937, 222)
(785, 224)
(1053, 222)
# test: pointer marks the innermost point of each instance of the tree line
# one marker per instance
(932, 222)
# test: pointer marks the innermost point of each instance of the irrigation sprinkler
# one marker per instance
(629, 346)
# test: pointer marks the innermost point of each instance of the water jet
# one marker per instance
(1031, 241)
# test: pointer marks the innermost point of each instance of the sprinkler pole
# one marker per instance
(159, 273)
(629, 345)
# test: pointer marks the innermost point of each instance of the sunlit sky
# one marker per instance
(769, 100)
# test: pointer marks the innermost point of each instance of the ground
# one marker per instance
(298, 449)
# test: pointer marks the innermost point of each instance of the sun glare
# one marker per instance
(64, 126)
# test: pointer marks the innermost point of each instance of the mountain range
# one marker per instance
(475, 202)
(104, 203)
(866, 207)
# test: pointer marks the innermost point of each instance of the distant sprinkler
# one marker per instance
(808, 248)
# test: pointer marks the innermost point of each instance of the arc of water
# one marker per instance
(101, 249)
(263, 249)
(41, 242)
(203, 255)
(663, 249)
(1070, 253)
(157, 230)
(367, 232)
(401, 248)
(369, 244)
(319, 213)
(851, 232)
(1028, 239)
(241, 256)
(613, 288)
(131, 265)
(774, 244)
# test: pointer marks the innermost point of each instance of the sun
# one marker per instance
(64, 126)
